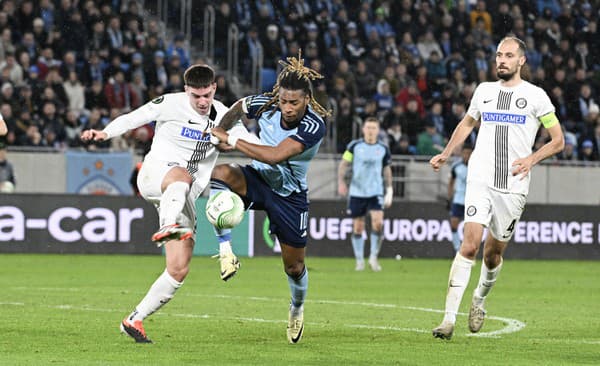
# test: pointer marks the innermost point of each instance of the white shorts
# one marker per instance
(149, 182)
(498, 211)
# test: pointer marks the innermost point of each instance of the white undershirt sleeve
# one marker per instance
(139, 117)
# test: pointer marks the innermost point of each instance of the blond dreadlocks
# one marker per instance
(295, 76)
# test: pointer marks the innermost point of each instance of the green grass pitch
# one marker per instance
(66, 309)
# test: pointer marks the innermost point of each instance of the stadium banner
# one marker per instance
(99, 173)
(422, 229)
(46, 223)
(206, 242)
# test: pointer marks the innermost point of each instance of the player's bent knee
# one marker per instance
(295, 270)
(468, 249)
(179, 273)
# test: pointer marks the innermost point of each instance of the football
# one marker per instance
(225, 210)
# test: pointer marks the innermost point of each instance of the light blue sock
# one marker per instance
(217, 186)
(455, 241)
(358, 244)
(375, 244)
(298, 288)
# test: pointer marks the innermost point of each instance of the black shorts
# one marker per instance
(359, 206)
(288, 216)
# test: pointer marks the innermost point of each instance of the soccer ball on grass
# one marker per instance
(225, 210)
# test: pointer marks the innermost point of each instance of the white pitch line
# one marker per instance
(511, 325)
(324, 325)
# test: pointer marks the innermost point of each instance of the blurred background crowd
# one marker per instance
(68, 65)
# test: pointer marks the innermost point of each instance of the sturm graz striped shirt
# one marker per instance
(509, 123)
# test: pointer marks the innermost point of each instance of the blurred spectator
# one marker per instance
(95, 98)
(157, 74)
(75, 92)
(346, 123)
(383, 97)
(7, 174)
(177, 47)
(72, 129)
(430, 142)
(119, 94)
(586, 152)
(224, 94)
(12, 68)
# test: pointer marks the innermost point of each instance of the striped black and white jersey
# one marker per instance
(181, 135)
(509, 123)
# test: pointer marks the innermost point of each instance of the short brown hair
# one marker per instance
(199, 76)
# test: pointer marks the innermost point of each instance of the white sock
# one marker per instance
(460, 272)
(160, 293)
(487, 279)
(225, 247)
(172, 202)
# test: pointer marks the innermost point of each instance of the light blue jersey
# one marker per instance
(368, 161)
(459, 173)
(290, 175)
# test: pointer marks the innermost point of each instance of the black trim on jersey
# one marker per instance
(504, 100)
(501, 168)
(213, 113)
(201, 148)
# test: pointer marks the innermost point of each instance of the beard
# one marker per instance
(506, 75)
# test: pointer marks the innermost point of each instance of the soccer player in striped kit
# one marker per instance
(173, 175)
(510, 111)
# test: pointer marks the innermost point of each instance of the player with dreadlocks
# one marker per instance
(291, 130)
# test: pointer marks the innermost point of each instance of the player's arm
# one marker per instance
(554, 146)
(462, 130)
(235, 112)
(342, 169)
(120, 125)
(3, 128)
(268, 154)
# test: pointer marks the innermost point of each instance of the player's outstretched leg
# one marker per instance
(159, 294)
(228, 261)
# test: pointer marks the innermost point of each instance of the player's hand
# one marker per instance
(94, 135)
(224, 147)
(388, 197)
(437, 161)
(522, 167)
(218, 135)
(342, 189)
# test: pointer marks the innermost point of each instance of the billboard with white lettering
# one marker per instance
(422, 229)
(76, 224)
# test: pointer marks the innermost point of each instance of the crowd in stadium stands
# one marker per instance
(69, 65)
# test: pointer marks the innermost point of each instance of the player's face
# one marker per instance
(292, 104)
(508, 60)
(201, 98)
(370, 132)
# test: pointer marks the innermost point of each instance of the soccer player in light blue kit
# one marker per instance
(457, 186)
(370, 160)
(291, 130)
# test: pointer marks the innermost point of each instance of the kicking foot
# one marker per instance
(171, 232)
(135, 330)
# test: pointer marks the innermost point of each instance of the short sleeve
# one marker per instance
(310, 131)
(252, 104)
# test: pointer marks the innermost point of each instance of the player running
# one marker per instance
(511, 111)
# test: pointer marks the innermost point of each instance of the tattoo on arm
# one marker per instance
(232, 116)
